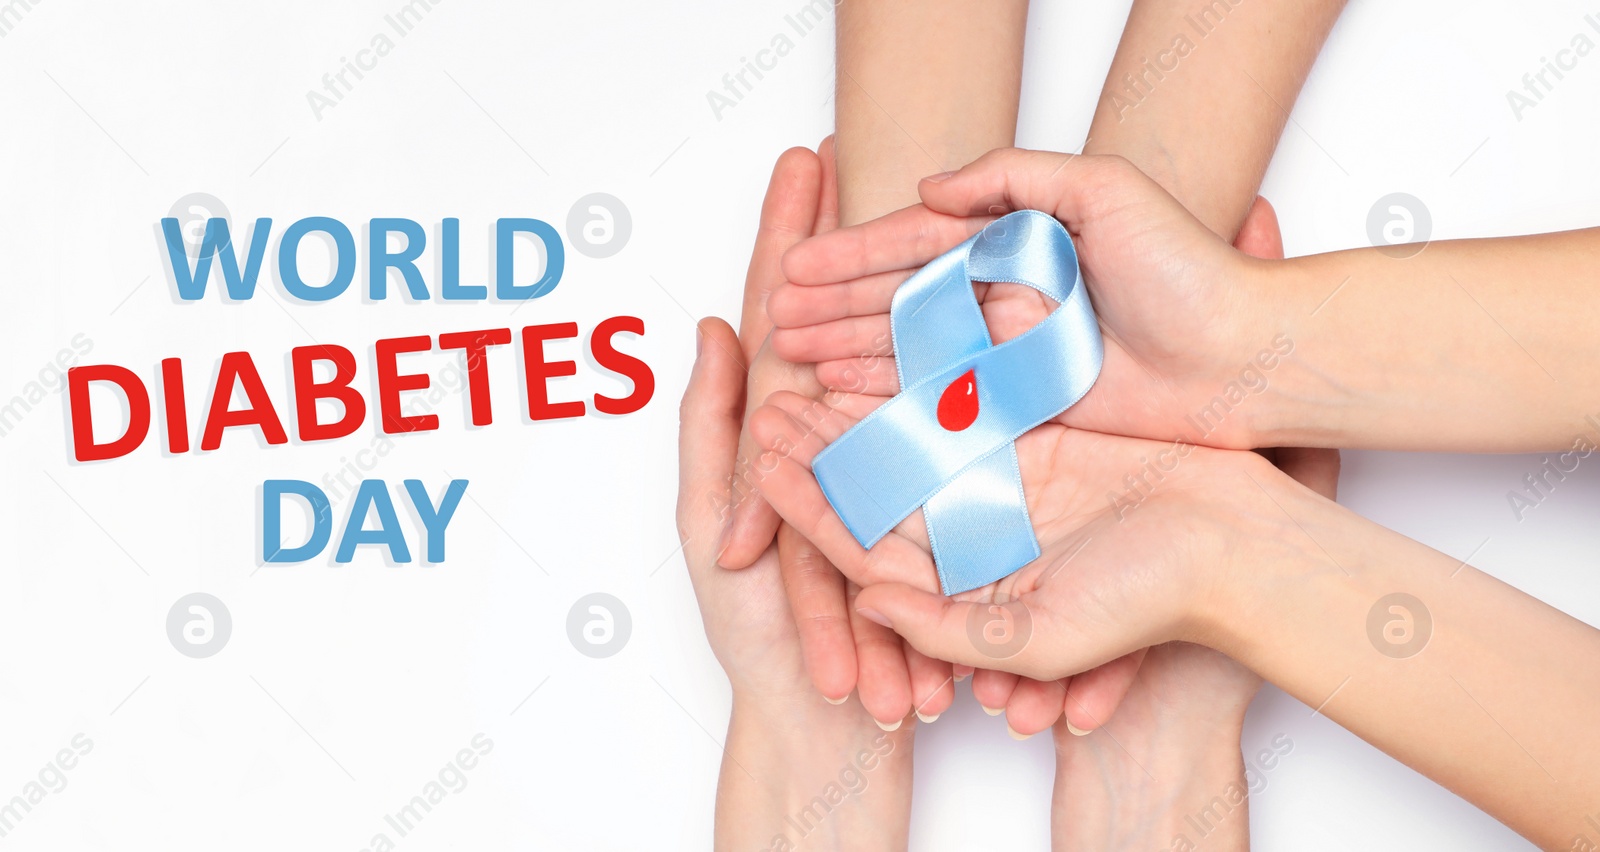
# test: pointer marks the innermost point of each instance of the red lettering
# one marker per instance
(238, 369)
(83, 445)
(476, 345)
(390, 384)
(177, 412)
(539, 371)
(307, 390)
(627, 366)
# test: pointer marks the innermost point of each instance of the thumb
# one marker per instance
(1260, 235)
(981, 634)
(708, 429)
(1072, 187)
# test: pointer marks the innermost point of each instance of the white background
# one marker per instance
(344, 689)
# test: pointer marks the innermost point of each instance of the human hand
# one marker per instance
(1173, 748)
(784, 742)
(1113, 577)
(1183, 331)
(842, 651)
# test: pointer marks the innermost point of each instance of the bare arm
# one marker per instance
(1469, 346)
(1198, 95)
(924, 86)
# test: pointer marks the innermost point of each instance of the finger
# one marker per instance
(708, 429)
(790, 428)
(1317, 469)
(828, 207)
(938, 626)
(961, 672)
(754, 522)
(751, 522)
(794, 492)
(855, 406)
(821, 613)
(1072, 187)
(874, 376)
(1260, 235)
(993, 689)
(788, 215)
(851, 337)
(904, 239)
(792, 305)
(933, 689)
(847, 409)
(1093, 697)
(1035, 705)
(884, 681)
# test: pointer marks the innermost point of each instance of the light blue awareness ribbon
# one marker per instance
(967, 480)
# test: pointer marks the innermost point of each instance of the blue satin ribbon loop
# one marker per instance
(968, 481)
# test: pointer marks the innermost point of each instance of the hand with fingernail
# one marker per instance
(784, 742)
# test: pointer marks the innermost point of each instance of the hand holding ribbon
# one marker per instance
(945, 443)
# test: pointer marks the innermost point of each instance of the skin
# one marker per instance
(892, 128)
(1166, 753)
(1206, 134)
(786, 745)
(1225, 551)
(1184, 316)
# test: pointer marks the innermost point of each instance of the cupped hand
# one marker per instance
(1182, 326)
(1116, 574)
(842, 652)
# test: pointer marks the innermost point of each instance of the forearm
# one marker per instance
(1198, 93)
(823, 778)
(1469, 346)
(1184, 779)
(924, 86)
(1469, 681)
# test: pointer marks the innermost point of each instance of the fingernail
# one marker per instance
(1013, 732)
(893, 727)
(874, 616)
(992, 711)
(960, 678)
(1075, 731)
(927, 720)
(837, 701)
(939, 178)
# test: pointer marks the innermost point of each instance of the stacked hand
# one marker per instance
(1159, 528)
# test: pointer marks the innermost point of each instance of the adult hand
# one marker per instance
(784, 742)
(1186, 342)
(842, 651)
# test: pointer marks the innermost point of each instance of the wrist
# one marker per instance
(1276, 564)
(801, 772)
(1308, 391)
(1181, 786)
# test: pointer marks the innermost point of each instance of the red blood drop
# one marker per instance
(958, 405)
